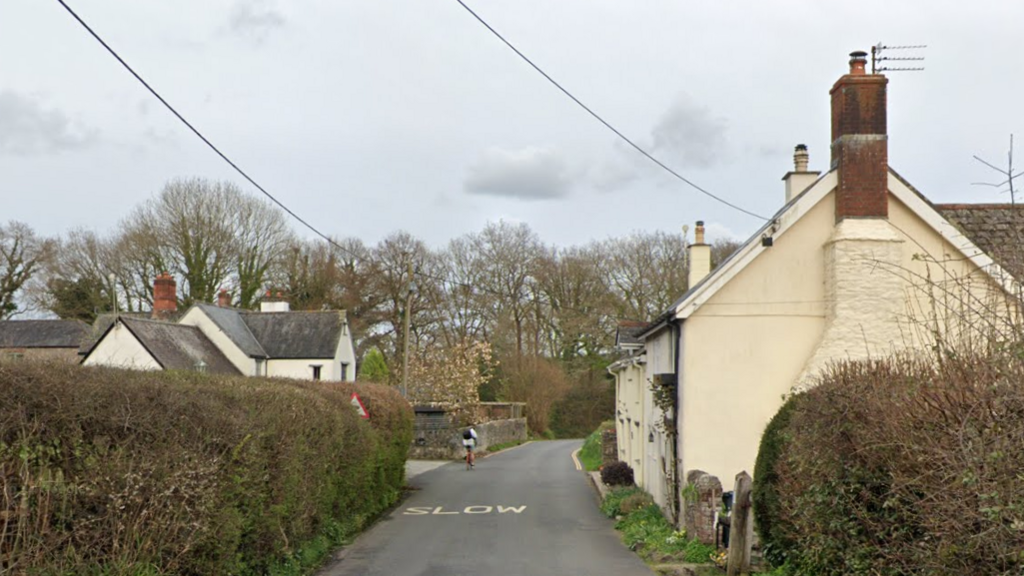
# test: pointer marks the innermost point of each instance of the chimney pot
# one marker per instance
(699, 256)
(223, 299)
(858, 60)
(800, 158)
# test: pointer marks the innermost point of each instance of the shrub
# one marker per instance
(635, 501)
(617, 474)
(590, 454)
(904, 466)
(589, 401)
(612, 505)
(120, 472)
(766, 477)
(646, 530)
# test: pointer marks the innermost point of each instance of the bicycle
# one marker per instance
(470, 459)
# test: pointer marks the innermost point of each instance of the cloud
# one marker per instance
(686, 136)
(27, 129)
(532, 173)
(689, 136)
(718, 231)
(255, 18)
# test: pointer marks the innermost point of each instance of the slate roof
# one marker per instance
(998, 229)
(42, 333)
(230, 321)
(628, 333)
(179, 347)
(296, 334)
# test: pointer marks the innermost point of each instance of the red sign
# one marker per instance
(359, 406)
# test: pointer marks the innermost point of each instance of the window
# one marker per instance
(344, 371)
(316, 371)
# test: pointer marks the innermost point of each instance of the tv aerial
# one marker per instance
(879, 57)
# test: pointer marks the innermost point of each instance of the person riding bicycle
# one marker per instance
(469, 442)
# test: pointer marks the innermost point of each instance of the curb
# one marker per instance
(599, 487)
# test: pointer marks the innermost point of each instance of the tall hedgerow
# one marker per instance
(766, 477)
(113, 472)
(906, 466)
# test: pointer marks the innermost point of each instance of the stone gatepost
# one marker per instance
(609, 447)
(702, 497)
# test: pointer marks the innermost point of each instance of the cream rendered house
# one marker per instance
(856, 264)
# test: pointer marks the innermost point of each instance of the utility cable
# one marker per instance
(604, 122)
(200, 135)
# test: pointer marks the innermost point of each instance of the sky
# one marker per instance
(368, 117)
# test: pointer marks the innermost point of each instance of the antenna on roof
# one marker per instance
(877, 57)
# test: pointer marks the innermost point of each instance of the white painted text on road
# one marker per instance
(482, 509)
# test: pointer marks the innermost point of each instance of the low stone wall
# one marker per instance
(609, 447)
(701, 498)
(434, 439)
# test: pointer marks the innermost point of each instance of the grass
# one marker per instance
(646, 531)
(504, 445)
(590, 454)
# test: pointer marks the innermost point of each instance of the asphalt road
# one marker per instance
(524, 511)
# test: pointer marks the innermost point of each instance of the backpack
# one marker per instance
(466, 435)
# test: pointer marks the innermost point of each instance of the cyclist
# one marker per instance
(469, 441)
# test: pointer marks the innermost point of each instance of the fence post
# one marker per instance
(742, 530)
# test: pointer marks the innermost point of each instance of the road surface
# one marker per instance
(527, 511)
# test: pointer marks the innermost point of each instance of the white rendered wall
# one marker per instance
(345, 353)
(196, 317)
(302, 368)
(120, 349)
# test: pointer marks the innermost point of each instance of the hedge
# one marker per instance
(766, 477)
(114, 472)
(906, 466)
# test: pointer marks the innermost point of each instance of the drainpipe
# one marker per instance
(677, 419)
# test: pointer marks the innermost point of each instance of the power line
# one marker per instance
(603, 121)
(200, 135)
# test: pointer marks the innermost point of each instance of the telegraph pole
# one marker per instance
(405, 340)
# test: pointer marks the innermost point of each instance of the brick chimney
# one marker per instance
(800, 178)
(700, 256)
(165, 296)
(223, 299)
(859, 142)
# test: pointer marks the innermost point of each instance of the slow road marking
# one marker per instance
(440, 511)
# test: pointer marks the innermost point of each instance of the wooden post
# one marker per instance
(741, 533)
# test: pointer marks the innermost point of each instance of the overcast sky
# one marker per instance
(371, 116)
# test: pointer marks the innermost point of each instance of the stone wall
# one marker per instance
(702, 497)
(435, 438)
(609, 447)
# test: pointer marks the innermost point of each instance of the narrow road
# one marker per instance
(526, 511)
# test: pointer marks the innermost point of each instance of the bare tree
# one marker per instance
(579, 302)
(261, 236)
(647, 271)
(23, 254)
(78, 279)
(507, 256)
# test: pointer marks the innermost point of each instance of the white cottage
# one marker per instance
(275, 342)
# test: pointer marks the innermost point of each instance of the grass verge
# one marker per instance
(590, 454)
(646, 531)
(505, 445)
